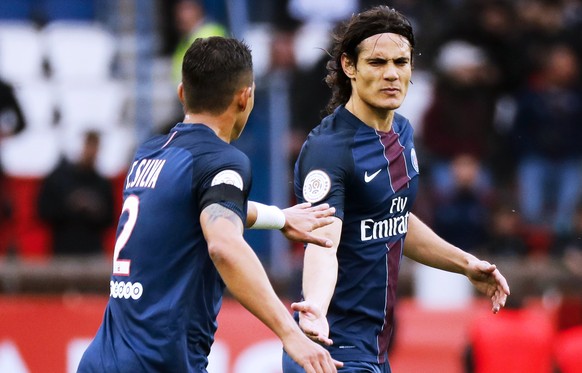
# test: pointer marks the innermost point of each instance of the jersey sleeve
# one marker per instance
(321, 172)
(226, 180)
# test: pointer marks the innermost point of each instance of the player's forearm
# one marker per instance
(241, 270)
(247, 281)
(423, 245)
(319, 276)
(320, 267)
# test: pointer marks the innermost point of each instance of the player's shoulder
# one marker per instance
(402, 125)
(335, 129)
(153, 141)
(200, 144)
(228, 156)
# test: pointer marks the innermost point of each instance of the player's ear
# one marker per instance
(348, 66)
(181, 92)
(244, 97)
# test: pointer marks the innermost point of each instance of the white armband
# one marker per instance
(268, 217)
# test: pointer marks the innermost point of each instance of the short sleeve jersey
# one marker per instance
(165, 292)
(370, 177)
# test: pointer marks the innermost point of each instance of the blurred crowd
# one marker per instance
(499, 133)
(496, 103)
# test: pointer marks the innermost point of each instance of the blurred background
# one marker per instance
(495, 100)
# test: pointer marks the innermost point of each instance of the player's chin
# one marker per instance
(390, 104)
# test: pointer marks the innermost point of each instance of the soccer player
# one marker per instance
(361, 160)
(180, 234)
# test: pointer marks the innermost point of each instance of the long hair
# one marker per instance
(347, 38)
(213, 70)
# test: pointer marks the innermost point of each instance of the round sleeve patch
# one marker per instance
(228, 177)
(316, 186)
(414, 159)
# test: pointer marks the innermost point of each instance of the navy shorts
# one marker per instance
(290, 366)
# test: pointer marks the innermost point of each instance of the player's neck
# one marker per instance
(379, 119)
(221, 124)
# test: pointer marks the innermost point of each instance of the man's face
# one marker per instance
(187, 14)
(382, 74)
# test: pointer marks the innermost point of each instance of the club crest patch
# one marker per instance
(413, 159)
(228, 177)
(316, 186)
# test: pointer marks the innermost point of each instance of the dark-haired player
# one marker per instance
(362, 161)
(180, 235)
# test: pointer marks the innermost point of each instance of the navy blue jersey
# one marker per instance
(370, 177)
(165, 291)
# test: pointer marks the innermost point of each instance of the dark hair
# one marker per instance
(378, 20)
(213, 70)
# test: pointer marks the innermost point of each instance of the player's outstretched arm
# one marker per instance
(320, 267)
(423, 245)
(246, 279)
(297, 222)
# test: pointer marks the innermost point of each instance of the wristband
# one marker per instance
(268, 217)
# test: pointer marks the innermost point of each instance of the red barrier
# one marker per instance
(35, 333)
(49, 334)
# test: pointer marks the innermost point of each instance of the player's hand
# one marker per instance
(489, 281)
(312, 357)
(312, 322)
(302, 219)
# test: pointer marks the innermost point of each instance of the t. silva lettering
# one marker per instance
(144, 173)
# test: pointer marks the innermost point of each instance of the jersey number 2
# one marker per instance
(121, 267)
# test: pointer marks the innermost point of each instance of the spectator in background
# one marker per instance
(77, 203)
(298, 48)
(11, 122)
(192, 23)
(460, 118)
(543, 22)
(490, 25)
(546, 137)
(308, 93)
(11, 117)
(461, 215)
(569, 245)
(505, 230)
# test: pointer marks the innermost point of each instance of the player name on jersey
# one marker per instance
(144, 173)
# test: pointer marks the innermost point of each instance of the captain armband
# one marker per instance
(268, 217)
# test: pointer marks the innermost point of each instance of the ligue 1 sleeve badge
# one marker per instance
(316, 186)
(228, 177)
(414, 159)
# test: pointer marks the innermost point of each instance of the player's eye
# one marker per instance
(402, 61)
